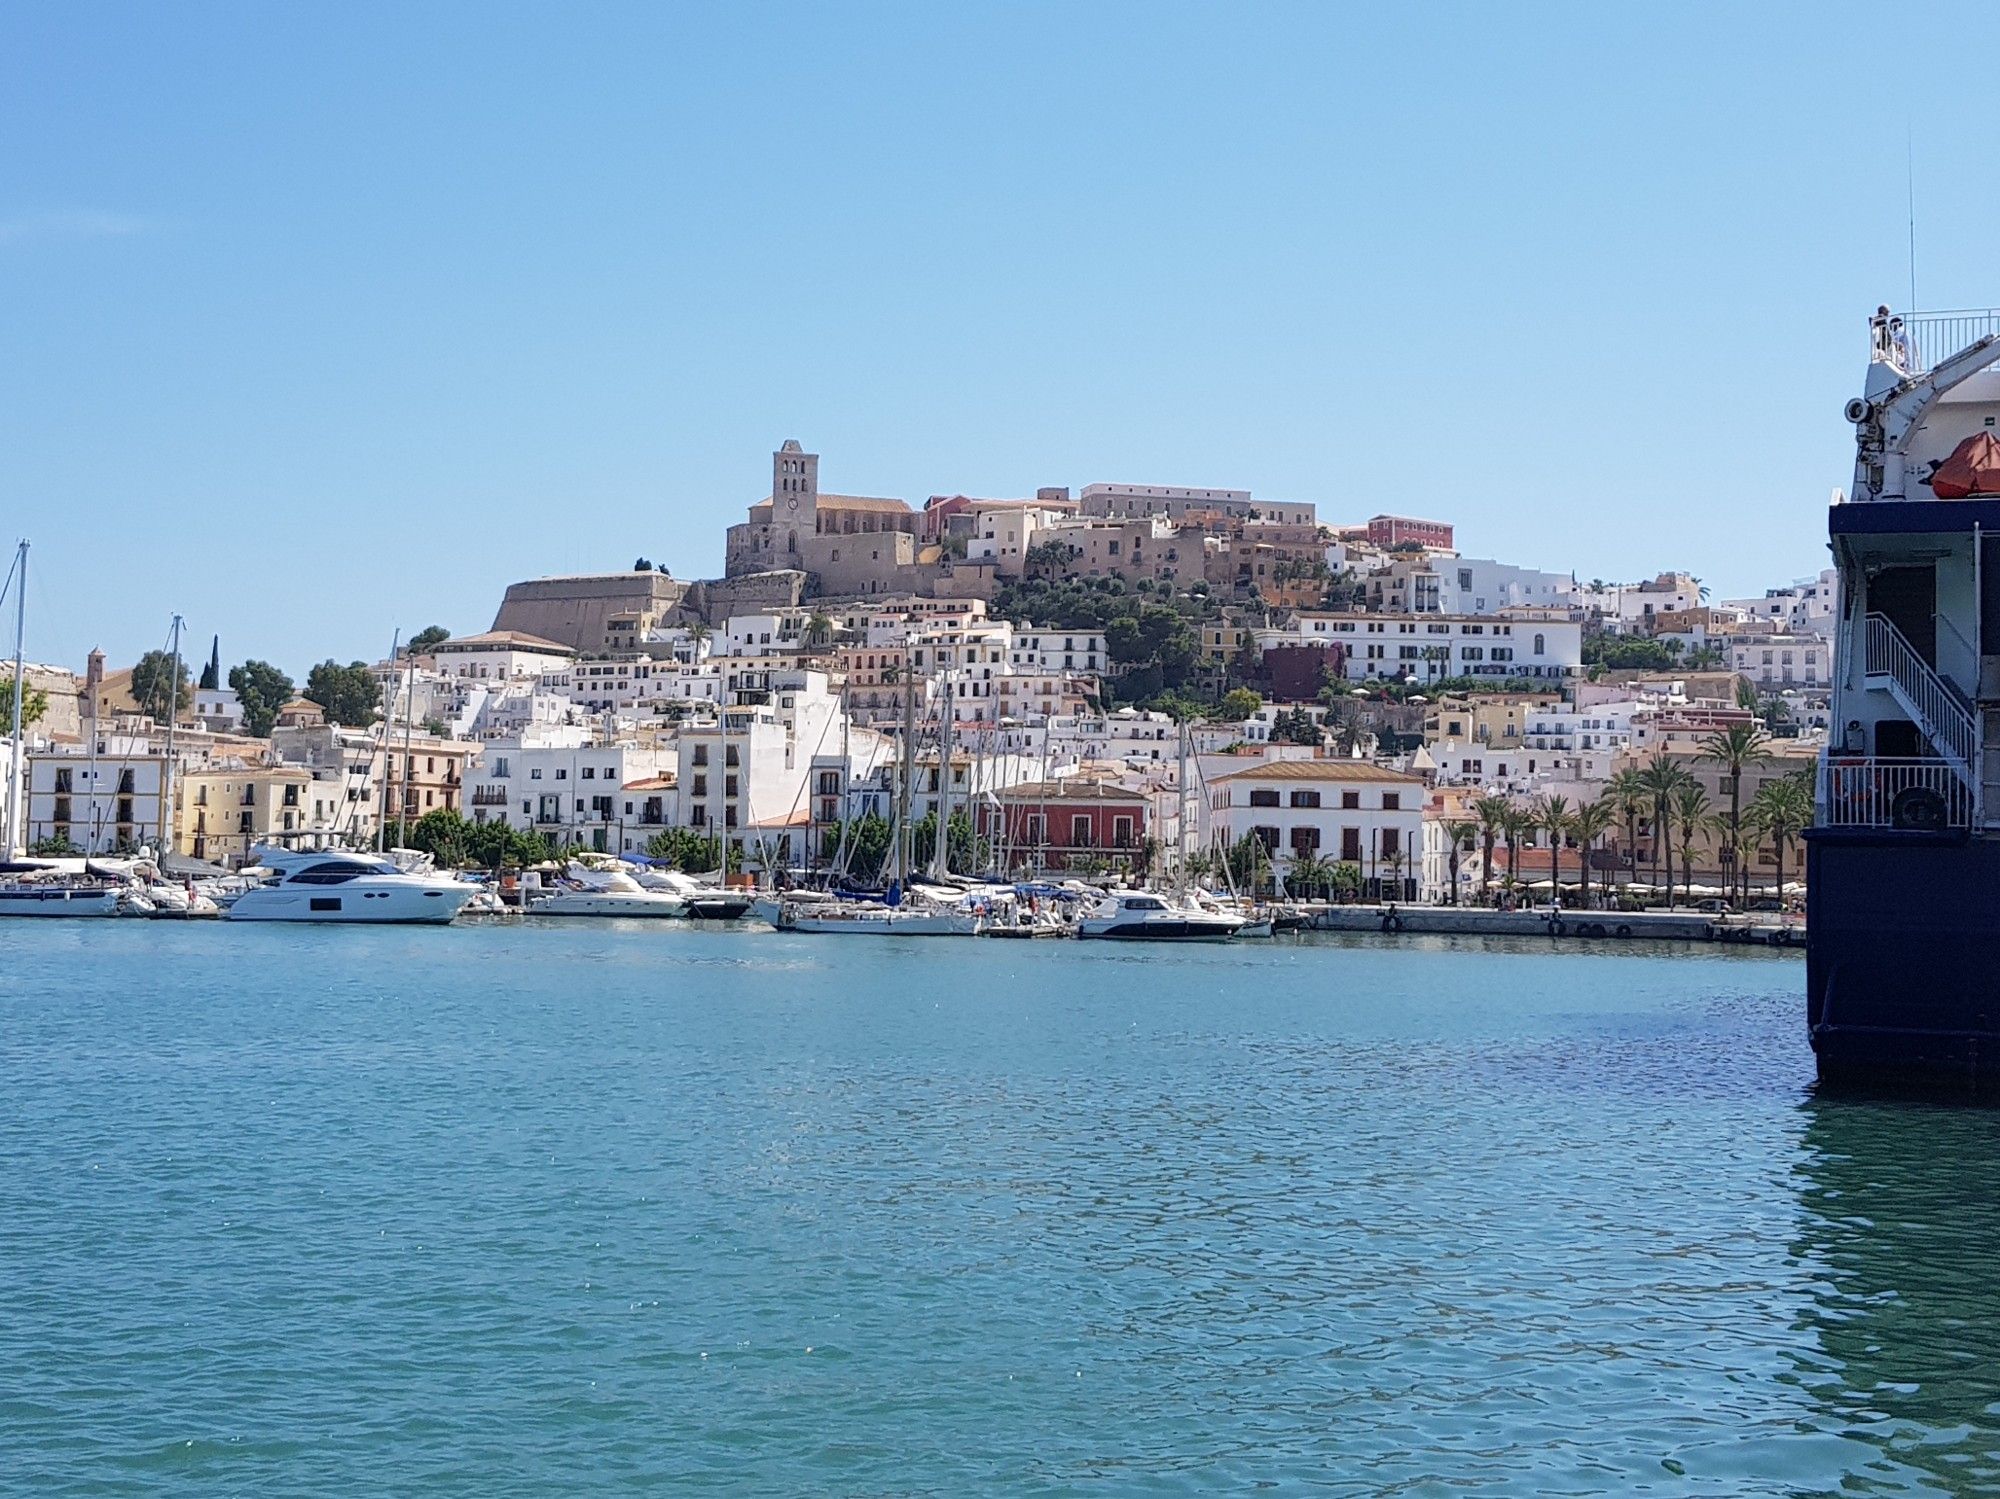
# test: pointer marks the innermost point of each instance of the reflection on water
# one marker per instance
(1901, 1228)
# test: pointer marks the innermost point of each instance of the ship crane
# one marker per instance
(1887, 419)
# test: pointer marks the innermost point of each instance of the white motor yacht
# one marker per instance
(340, 885)
(1141, 916)
(607, 892)
(914, 918)
(706, 900)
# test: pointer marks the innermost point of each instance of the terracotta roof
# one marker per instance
(1318, 770)
(1081, 790)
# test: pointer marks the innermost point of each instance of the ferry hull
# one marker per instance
(1903, 962)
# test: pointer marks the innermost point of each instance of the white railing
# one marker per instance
(1870, 792)
(1926, 339)
(1938, 710)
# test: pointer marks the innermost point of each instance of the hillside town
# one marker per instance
(1094, 683)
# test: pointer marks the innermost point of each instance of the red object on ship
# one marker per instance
(1973, 468)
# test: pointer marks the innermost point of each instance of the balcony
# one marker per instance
(1876, 792)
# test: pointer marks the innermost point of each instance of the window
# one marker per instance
(1305, 798)
(1079, 831)
(535, 773)
(1392, 801)
(1392, 842)
(590, 772)
(1541, 646)
(700, 756)
(1263, 797)
(1350, 800)
(561, 774)
(1304, 841)
(1122, 832)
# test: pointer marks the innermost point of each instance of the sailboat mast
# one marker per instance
(940, 857)
(1180, 822)
(17, 764)
(904, 839)
(388, 727)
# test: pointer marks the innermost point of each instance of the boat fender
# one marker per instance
(1392, 922)
(1595, 929)
(1624, 929)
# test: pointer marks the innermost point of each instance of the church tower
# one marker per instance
(794, 495)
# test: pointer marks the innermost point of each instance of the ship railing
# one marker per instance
(1871, 791)
(1939, 709)
(1921, 341)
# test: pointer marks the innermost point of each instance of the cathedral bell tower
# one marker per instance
(794, 496)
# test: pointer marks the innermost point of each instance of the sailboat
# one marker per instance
(903, 912)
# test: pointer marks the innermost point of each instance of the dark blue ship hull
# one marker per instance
(1903, 961)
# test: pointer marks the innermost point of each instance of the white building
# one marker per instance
(499, 655)
(218, 709)
(1439, 583)
(101, 803)
(1035, 648)
(1521, 643)
(1341, 810)
(1774, 662)
(569, 790)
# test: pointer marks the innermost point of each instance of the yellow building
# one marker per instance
(223, 812)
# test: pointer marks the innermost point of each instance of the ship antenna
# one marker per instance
(1910, 179)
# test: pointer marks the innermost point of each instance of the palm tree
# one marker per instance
(1691, 809)
(1492, 814)
(1734, 748)
(1461, 835)
(1628, 792)
(1551, 815)
(819, 628)
(1590, 822)
(1516, 822)
(1306, 874)
(1783, 809)
(1662, 778)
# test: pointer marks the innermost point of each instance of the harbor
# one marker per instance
(1061, 1212)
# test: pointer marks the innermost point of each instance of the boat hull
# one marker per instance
(1177, 929)
(887, 924)
(59, 902)
(396, 908)
(1902, 984)
(605, 904)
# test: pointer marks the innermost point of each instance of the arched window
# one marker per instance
(1540, 649)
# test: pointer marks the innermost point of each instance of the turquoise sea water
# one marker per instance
(593, 1210)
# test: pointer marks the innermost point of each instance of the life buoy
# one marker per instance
(1595, 929)
(1624, 929)
(1392, 922)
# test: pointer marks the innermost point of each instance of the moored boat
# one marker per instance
(1905, 853)
(1141, 916)
(336, 885)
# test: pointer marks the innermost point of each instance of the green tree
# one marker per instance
(158, 680)
(1736, 748)
(1552, 816)
(262, 690)
(1784, 809)
(426, 638)
(1690, 809)
(1491, 813)
(34, 702)
(861, 846)
(1628, 790)
(1663, 778)
(1590, 822)
(1250, 864)
(349, 695)
(1238, 703)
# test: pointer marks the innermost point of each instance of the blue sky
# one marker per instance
(323, 321)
